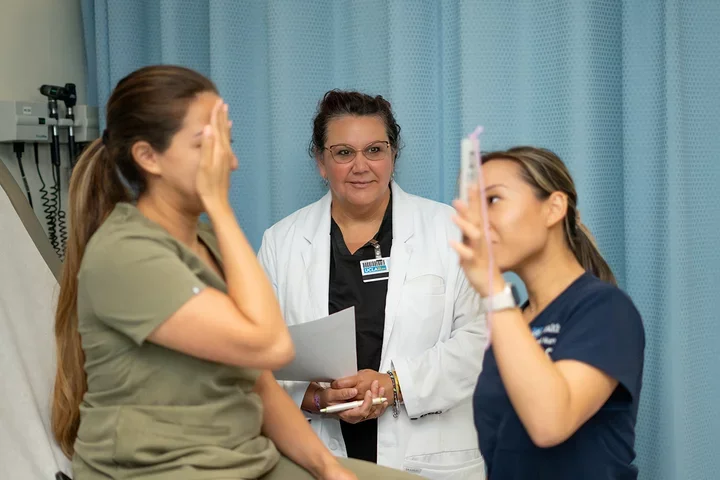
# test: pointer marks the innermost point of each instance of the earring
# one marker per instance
(325, 181)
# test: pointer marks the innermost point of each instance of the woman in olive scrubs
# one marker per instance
(167, 330)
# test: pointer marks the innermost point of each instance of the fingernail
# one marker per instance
(353, 392)
(207, 130)
(225, 107)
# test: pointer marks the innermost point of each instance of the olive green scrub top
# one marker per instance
(151, 412)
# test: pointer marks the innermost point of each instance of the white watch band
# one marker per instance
(500, 301)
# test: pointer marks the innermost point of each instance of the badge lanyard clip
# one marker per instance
(376, 246)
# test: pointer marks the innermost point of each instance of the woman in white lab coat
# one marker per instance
(420, 336)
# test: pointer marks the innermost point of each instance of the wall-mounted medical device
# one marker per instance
(58, 121)
(30, 122)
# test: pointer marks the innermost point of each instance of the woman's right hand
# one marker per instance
(474, 251)
(217, 159)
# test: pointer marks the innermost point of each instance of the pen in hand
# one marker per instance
(341, 407)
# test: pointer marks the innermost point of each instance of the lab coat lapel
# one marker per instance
(403, 229)
(316, 257)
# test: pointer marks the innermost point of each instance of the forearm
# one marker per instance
(247, 283)
(284, 424)
(537, 390)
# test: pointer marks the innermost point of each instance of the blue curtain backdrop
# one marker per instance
(627, 92)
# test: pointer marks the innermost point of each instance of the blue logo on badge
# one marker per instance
(374, 269)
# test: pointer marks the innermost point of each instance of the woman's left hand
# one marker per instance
(475, 257)
(363, 381)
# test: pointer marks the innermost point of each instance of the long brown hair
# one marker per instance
(148, 105)
(546, 173)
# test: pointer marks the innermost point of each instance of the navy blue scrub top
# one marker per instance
(595, 323)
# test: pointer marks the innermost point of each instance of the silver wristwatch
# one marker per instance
(508, 298)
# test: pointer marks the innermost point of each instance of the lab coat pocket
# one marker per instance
(421, 311)
(460, 465)
(444, 447)
(426, 284)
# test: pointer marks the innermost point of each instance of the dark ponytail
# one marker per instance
(148, 105)
(586, 251)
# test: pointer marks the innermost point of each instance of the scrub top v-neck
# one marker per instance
(347, 289)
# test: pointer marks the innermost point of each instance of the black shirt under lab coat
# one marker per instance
(347, 289)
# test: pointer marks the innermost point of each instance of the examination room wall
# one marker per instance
(41, 42)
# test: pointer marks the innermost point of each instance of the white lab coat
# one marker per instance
(434, 337)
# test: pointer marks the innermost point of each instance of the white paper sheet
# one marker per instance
(324, 349)
(27, 351)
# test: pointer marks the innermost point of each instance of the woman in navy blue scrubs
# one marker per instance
(558, 394)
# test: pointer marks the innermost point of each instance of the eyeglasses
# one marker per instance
(379, 150)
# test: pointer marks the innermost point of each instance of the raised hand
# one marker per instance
(475, 256)
(217, 159)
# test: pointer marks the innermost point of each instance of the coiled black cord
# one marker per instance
(60, 216)
(49, 203)
(19, 149)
